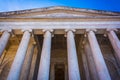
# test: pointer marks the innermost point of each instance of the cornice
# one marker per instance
(59, 8)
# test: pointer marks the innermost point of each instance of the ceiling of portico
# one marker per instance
(57, 12)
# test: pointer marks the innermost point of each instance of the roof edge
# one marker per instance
(59, 7)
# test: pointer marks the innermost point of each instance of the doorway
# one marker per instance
(59, 71)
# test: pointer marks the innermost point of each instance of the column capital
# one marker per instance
(108, 30)
(8, 30)
(50, 30)
(73, 30)
(66, 30)
(29, 30)
(88, 30)
(111, 29)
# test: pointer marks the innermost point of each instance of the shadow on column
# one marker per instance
(39, 41)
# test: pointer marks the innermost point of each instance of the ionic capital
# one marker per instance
(73, 30)
(29, 30)
(67, 30)
(88, 30)
(111, 29)
(50, 30)
(8, 30)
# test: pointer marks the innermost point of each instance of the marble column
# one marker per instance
(16, 67)
(101, 67)
(73, 68)
(33, 63)
(115, 43)
(91, 63)
(44, 66)
(4, 40)
(85, 65)
(27, 62)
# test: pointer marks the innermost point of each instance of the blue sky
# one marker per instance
(11, 5)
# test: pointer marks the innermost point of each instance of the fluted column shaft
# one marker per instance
(16, 67)
(73, 69)
(44, 67)
(90, 60)
(115, 43)
(28, 61)
(3, 41)
(85, 65)
(101, 67)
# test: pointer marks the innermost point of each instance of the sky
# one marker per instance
(12, 5)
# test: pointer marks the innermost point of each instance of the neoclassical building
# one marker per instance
(59, 43)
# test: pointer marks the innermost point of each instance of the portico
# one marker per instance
(59, 34)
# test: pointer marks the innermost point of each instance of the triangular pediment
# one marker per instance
(56, 15)
(57, 12)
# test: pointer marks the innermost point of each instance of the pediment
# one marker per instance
(56, 15)
(57, 12)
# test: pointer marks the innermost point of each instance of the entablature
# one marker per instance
(59, 27)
